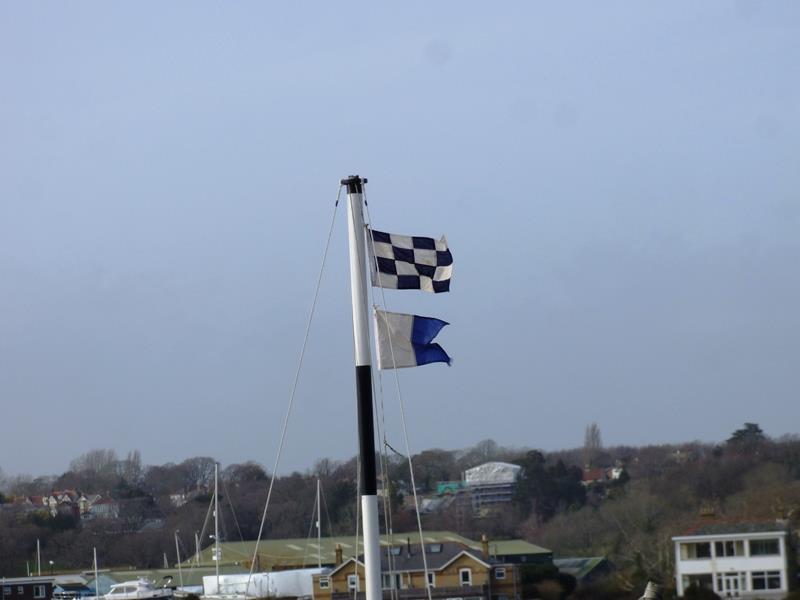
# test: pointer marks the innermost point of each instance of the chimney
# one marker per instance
(338, 551)
(408, 546)
(485, 547)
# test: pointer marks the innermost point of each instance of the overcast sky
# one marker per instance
(619, 184)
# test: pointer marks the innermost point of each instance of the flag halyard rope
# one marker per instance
(404, 425)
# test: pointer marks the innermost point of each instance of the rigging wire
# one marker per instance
(310, 529)
(203, 529)
(327, 512)
(358, 524)
(233, 510)
(380, 419)
(285, 425)
(405, 427)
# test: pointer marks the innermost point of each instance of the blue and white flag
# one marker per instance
(405, 340)
(407, 262)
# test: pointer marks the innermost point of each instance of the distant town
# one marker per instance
(500, 523)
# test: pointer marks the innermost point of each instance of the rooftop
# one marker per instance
(579, 568)
(723, 527)
(492, 473)
(436, 555)
(299, 552)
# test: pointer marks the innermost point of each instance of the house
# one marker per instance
(583, 569)
(491, 483)
(516, 552)
(105, 508)
(745, 560)
(454, 571)
(590, 476)
(85, 503)
(297, 553)
(26, 588)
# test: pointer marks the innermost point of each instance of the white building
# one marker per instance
(743, 560)
(491, 483)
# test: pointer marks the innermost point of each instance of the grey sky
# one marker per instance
(618, 182)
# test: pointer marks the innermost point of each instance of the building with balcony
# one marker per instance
(491, 483)
(741, 560)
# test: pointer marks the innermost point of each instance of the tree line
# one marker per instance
(629, 520)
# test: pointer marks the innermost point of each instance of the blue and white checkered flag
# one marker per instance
(405, 262)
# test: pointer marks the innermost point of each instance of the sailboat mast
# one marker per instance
(216, 522)
(196, 549)
(363, 356)
(178, 555)
(96, 579)
(319, 530)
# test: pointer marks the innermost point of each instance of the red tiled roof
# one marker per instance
(593, 474)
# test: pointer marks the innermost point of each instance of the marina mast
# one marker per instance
(363, 359)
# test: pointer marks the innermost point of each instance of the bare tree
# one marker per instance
(131, 469)
(199, 472)
(100, 462)
(592, 444)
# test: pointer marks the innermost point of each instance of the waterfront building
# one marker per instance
(736, 560)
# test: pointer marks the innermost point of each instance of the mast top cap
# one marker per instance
(353, 178)
(353, 183)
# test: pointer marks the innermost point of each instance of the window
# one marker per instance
(435, 548)
(7, 590)
(764, 547)
(431, 579)
(729, 548)
(39, 591)
(352, 583)
(387, 578)
(324, 583)
(766, 580)
(695, 551)
(465, 576)
(21, 590)
(701, 581)
(396, 550)
(731, 583)
(500, 573)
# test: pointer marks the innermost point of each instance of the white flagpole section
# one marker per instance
(366, 429)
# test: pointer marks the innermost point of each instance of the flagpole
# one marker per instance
(363, 358)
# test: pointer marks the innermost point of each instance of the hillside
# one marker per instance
(656, 492)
